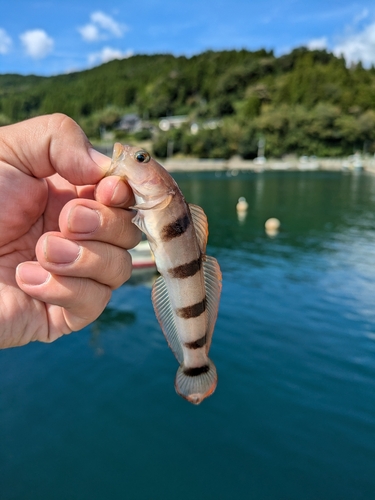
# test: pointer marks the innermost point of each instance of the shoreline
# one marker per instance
(238, 164)
(352, 163)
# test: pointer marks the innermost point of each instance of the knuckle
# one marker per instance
(95, 295)
(59, 121)
(119, 269)
(127, 234)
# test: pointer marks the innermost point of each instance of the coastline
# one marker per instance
(238, 164)
(354, 162)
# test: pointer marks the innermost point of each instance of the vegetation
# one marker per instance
(305, 102)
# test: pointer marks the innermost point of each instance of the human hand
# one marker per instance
(63, 230)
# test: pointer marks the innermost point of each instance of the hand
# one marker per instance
(63, 230)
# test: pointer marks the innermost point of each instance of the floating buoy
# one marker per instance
(272, 226)
(241, 208)
(242, 204)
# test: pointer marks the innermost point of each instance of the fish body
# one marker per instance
(187, 293)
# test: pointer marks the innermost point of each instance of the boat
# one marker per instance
(142, 257)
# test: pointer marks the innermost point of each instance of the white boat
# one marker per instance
(142, 257)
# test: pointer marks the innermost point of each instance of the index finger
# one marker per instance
(115, 192)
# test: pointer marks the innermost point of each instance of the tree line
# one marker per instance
(305, 102)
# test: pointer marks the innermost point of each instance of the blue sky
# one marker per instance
(48, 37)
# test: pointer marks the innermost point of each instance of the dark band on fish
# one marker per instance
(176, 228)
(192, 311)
(186, 270)
(194, 372)
(197, 344)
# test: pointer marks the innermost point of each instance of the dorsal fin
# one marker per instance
(200, 225)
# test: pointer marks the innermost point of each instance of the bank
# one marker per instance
(354, 162)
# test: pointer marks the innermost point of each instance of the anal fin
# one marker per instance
(165, 315)
(213, 285)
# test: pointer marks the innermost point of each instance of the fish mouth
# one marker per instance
(119, 149)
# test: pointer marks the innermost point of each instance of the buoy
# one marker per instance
(241, 208)
(272, 226)
(242, 204)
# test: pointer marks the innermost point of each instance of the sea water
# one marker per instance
(95, 416)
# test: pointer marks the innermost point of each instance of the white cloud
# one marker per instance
(108, 23)
(108, 54)
(317, 43)
(89, 32)
(37, 43)
(362, 15)
(5, 42)
(358, 46)
(101, 27)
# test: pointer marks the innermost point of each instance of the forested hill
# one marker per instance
(305, 102)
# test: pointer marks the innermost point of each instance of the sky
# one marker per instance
(51, 37)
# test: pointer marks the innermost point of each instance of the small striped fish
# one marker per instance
(186, 295)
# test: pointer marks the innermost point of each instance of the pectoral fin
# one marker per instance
(200, 225)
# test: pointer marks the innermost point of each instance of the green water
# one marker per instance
(95, 416)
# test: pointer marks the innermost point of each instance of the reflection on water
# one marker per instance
(145, 277)
(109, 319)
(95, 415)
(115, 318)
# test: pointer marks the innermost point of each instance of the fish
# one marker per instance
(186, 295)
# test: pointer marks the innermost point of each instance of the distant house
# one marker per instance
(130, 123)
(211, 124)
(169, 122)
(207, 125)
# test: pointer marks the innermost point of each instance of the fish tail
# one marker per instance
(196, 384)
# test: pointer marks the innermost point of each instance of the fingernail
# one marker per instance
(60, 251)
(120, 194)
(31, 273)
(83, 220)
(102, 160)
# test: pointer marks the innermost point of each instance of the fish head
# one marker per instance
(147, 178)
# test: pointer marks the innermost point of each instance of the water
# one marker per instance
(95, 416)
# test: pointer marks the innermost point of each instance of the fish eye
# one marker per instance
(142, 156)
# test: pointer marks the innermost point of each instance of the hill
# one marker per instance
(305, 102)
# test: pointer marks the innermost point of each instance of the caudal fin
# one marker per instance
(196, 384)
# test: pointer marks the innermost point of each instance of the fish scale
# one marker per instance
(186, 295)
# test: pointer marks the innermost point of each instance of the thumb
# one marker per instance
(53, 143)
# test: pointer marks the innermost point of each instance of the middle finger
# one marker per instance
(83, 219)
